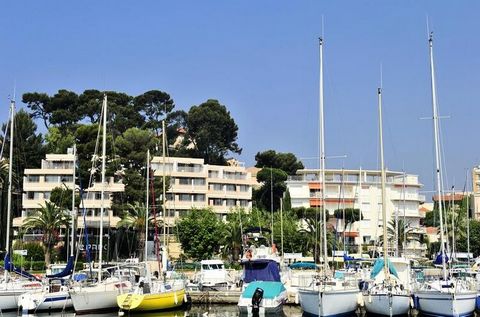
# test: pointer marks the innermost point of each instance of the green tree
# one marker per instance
(62, 197)
(58, 142)
(49, 219)
(462, 243)
(212, 131)
(134, 218)
(199, 233)
(156, 105)
(232, 235)
(287, 162)
(90, 105)
(273, 182)
(39, 105)
(405, 233)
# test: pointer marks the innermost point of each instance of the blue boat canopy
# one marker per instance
(8, 265)
(438, 259)
(68, 270)
(270, 289)
(378, 267)
(303, 265)
(260, 270)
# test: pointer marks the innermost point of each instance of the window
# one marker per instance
(244, 188)
(213, 174)
(231, 188)
(66, 178)
(183, 167)
(230, 202)
(243, 202)
(33, 178)
(184, 197)
(184, 181)
(217, 202)
(52, 179)
(198, 197)
(198, 181)
(98, 196)
(30, 195)
(217, 187)
(46, 195)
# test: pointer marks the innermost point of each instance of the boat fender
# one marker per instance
(256, 300)
(121, 313)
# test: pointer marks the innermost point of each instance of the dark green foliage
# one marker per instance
(200, 233)
(287, 162)
(474, 239)
(351, 215)
(212, 131)
(273, 181)
(35, 251)
(62, 198)
(156, 105)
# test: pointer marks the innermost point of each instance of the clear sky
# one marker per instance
(260, 59)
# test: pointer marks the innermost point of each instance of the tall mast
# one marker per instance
(10, 172)
(322, 159)
(437, 156)
(72, 242)
(164, 207)
(146, 205)
(384, 200)
(102, 206)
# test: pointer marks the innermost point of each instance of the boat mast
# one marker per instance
(10, 172)
(164, 207)
(72, 242)
(322, 160)
(146, 205)
(102, 206)
(437, 155)
(384, 200)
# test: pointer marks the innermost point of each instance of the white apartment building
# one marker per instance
(476, 191)
(194, 184)
(362, 189)
(57, 171)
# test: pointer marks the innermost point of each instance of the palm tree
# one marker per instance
(405, 233)
(49, 219)
(134, 218)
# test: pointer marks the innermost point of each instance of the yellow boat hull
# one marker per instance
(151, 302)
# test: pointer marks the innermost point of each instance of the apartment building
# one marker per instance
(57, 171)
(362, 189)
(476, 191)
(194, 184)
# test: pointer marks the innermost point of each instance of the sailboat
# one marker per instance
(54, 294)
(327, 296)
(102, 294)
(153, 294)
(11, 289)
(445, 296)
(387, 296)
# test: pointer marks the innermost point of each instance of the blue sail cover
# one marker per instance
(11, 268)
(68, 270)
(438, 259)
(378, 267)
(260, 270)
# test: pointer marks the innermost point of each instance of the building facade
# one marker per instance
(476, 192)
(361, 189)
(57, 171)
(194, 184)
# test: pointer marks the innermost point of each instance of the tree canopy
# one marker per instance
(287, 162)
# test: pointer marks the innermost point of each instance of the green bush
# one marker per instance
(35, 250)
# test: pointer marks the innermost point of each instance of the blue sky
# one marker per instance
(260, 59)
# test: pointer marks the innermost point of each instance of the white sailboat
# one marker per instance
(446, 296)
(54, 294)
(11, 289)
(387, 296)
(102, 295)
(327, 296)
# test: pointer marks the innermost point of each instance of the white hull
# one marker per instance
(437, 303)
(98, 297)
(386, 304)
(267, 305)
(329, 302)
(43, 301)
(10, 292)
